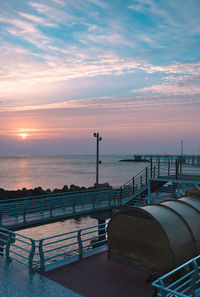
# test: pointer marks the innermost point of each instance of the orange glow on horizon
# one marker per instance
(23, 135)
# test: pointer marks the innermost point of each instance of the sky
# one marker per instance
(129, 70)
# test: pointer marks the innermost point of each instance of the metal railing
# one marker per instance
(32, 209)
(135, 189)
(16, 246)
(69, 247)
(40, 255)
(183, 281)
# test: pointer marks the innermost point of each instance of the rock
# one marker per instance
(74, 188)
(65, 188)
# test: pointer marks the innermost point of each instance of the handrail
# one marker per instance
(16, 246)
(138, 184)
(183, 281)
(74, 204)
(51, 195)
(45, 252)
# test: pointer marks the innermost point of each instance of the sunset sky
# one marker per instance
(127, 69)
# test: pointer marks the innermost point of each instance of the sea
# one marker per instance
(55, 171)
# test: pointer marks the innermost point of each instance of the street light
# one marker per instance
(97, 157)
(182, 146)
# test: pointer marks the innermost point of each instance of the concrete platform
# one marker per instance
(97, 277)
(16, 281)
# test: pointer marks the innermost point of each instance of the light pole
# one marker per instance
(182, 146)
(97, 157)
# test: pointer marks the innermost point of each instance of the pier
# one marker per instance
(85, 249)
(186, 159)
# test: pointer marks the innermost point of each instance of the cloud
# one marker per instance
(25, 30)
(56, 14)
(112, 39)
(110, 104)
(184, 81)
(59, 2)
(176, 68)
(20, 74)
(175, 88)
(36, 19)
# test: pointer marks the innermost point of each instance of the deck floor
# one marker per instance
(95, 276)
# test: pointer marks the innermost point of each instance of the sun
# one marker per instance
(23, 135)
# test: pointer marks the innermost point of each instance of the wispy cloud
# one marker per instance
(22, 73)
(59, 2)
(55, 14)
(25, 30)
(36, 19)
(183, 86)
(186, 81)
(111, 39)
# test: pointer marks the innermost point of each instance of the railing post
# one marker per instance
(149, 192)
(169, 167)
(51, 208)
(31, 254)
(177, 168)
(151, 165)
(73, 204)
(80, 245)
(1, 216)
(41, 255)
(194, 278)
(7, 250)
(162, 292)
(94, 200)
(159, 167)
(154, 171)
(146, 175)
(180, 165)
(24, 211)
(121, 195)
(110, 198)
(133, 185)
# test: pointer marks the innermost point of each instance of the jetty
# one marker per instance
(185, 158)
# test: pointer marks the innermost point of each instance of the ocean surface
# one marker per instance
(25, 171)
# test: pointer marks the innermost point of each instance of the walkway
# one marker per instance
(97, 277)
(16, 281)
(26, 212)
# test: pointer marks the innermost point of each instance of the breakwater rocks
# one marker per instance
(21, 193)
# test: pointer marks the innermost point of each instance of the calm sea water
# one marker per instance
(17, 172)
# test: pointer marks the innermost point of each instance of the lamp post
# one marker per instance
(182, 146)
(97, 157)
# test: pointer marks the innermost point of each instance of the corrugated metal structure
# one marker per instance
(157, 237)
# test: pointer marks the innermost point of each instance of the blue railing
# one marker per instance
(54, 251)
(135, 189)
(44, 208)
(69, 247)
(17, 247)
(183, 281)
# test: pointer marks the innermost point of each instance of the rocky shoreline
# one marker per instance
(21, 193)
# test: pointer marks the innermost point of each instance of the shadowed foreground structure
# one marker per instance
(96, 276)
(156, 237)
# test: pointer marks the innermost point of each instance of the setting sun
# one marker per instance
(23, 135)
